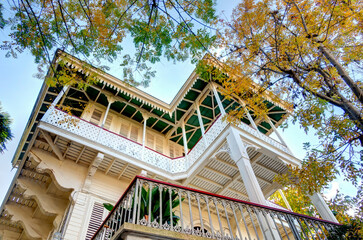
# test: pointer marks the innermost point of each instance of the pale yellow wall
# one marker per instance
(109, 188)
(6, 234)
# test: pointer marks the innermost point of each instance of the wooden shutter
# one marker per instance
(150, 140)
(95, 220)
(171, 150)
(175, 150)
(124, 130)
(96, 116)
(159, 145)
(108, 122)
(134, 135)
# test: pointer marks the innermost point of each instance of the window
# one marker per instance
(108, 122)
(154, 142)
(96, 116)
(150, 140)
(174, 150)
(134, 135)
(159, 145)
(95, 219)
(124, 130)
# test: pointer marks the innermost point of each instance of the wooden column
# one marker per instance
(146, 117)
(56, 101)
(254, 191)
(200, 120)
(185, 140)
(110, 100)
(250, 118)
(323, 209)
(219, 102)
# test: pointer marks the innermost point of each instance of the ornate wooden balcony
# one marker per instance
(160, 207)
(102, 136)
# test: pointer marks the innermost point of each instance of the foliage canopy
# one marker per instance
(309, 53)
(100, 31)
(5, 131)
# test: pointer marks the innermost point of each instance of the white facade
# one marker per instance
(68, 166)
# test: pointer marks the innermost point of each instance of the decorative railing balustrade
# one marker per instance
(110, 139)
(180, 209)
(264, 137)
(124, 145)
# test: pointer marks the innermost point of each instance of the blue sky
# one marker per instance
(19, 90)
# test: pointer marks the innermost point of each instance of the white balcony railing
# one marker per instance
(263, 137)
(126, 146)
(112, 140)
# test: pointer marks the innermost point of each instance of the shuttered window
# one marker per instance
(174, 150)
(124, 130)
(150, 140)
(95, 220)
(134, 135)
(159, 145)
(171, 151)
(108, 122)
(96, 116)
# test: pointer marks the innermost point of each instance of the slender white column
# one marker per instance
(146, 117)
(322, 207)
(254, 191)
(185, 140)
(110, 101)
(55, 101)
(219, 102)
(200, 120)
(240, 156)
(64, 94)
(144, 130)
(276, 131)
(284, 199)
(250, 118)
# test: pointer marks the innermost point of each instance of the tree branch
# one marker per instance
(358, 92)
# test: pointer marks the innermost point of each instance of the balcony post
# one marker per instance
(146, 117)
(250, 117)
(110, 100)
(55, 101)
(254, 191)
(219, 102)
(323, 209)
(185, 141)
(284, 199)
(201, 123)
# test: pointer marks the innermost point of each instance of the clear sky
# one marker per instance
(19, 89)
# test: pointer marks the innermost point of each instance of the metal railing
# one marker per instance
(180, 209)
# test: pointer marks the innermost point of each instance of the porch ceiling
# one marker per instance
(84, 155)
(221, 175)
